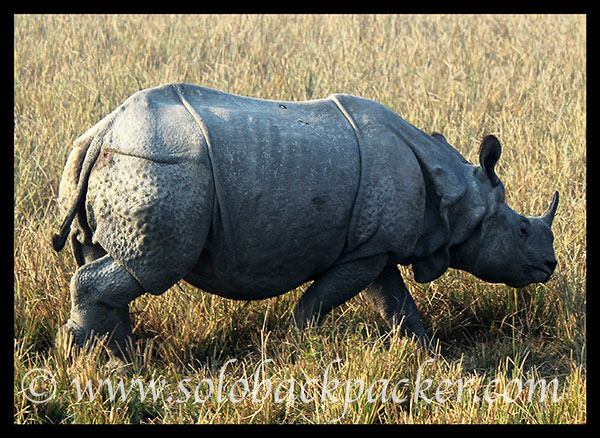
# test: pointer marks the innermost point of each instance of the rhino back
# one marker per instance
(153, 124)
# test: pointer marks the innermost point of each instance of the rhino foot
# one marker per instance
(390, 296)
(115, 341)
(75, 330)
(100, 294)
(432, 346)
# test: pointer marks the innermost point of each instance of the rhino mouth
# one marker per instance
(543, 272)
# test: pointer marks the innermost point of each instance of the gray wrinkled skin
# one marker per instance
(249, 198)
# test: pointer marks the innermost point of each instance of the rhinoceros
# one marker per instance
(249, 198)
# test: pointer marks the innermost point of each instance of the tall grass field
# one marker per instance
(511, 355)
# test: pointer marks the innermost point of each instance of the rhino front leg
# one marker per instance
(336, 286)
(389, 295)
(100, 295)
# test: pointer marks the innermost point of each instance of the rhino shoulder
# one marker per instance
(388, 209)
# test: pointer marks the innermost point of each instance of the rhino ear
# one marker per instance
(489, 153)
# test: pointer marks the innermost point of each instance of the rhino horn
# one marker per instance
(548, 215)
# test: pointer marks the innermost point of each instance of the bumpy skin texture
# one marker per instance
(249, 198)
(149, 190)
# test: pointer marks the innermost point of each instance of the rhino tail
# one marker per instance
(91, 143)
(89, 158)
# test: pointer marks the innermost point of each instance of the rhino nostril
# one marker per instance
(551, 265)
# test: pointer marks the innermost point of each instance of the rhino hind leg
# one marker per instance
(100, 295)
(85, 253)
(336, 286)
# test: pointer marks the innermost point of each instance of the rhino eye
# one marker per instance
(524, 229)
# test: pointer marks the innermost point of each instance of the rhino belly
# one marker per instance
(204, 276)
(276, 239)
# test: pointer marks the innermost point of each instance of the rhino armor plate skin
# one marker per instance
(249, 198)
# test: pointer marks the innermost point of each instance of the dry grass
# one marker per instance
(522, 78)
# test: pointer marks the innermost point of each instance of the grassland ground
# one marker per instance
(520, 77)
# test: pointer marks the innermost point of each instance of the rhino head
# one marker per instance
(505, 247)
